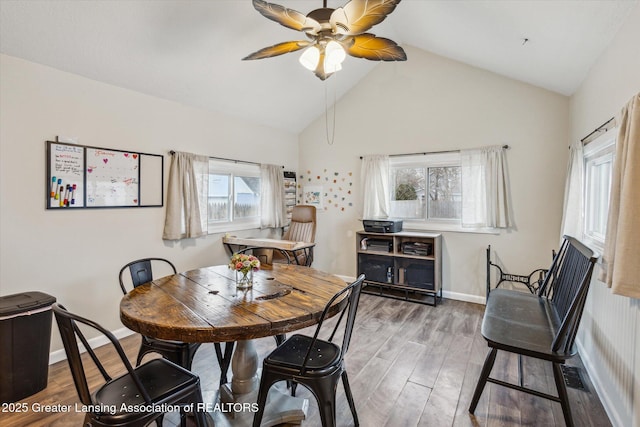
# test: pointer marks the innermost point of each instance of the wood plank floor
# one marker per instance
(408, 364)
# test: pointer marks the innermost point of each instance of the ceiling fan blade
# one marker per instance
(287, 17)
(278, 49)
(358, 16)
(369, 46)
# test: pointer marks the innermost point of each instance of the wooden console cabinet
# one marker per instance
(405, 265)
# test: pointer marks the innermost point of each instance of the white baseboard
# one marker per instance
(464, 297)
(445, 294)
(58, 355)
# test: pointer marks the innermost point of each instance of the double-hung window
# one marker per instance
(233, 201)
(598, 167)
(426, 189)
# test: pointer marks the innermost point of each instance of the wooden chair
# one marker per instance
(301, 229)
(542, 326)
(145, 389)
(316, 364)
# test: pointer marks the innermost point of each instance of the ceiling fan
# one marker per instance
(332, 34)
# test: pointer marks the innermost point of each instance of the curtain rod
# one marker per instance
(172, 152)
(598, 129)
(431, 152)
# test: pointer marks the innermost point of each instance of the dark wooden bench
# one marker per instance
(542, 325)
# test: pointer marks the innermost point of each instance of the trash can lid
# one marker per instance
(24, 302)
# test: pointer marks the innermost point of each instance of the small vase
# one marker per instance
(244, 280)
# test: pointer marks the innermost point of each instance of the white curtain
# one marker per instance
(375, 186)
(485, 188)
(620, 266)
(573, 213)
(187, 193)
(272, 209)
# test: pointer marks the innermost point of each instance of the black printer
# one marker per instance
(382, 225)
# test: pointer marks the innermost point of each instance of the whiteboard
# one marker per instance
(112, 178)
(65, 183)
(94, 177)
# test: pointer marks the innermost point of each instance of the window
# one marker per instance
(444, 199)
(426, 189)
(598, 167)
(408, 192)
(233, 201)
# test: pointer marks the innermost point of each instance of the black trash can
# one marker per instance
(25, 337)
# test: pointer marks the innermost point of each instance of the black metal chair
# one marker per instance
(542, 326)
(316, 364)
(178, 352)
(143, 390)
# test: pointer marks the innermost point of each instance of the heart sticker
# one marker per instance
(90, 169)
(135, 201)
(126, 154)
(105, 160)
(135, 156)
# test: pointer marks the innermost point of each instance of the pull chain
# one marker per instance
(326, 114)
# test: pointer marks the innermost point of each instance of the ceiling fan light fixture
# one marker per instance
(332, 34)
(334, 55)
(310, 57)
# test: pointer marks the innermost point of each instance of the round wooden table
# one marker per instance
(203, 305)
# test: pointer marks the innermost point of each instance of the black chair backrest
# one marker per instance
(141, 271)
(71, 333)
(566, 286)
(350, 306)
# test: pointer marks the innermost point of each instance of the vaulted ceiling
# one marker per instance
(190, 51)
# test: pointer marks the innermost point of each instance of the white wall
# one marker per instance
(610, 333)
(76, 255)
(431, 103)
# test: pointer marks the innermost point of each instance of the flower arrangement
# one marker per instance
(244, 263)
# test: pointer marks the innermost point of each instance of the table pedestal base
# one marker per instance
(280, 408)
(241, 394)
